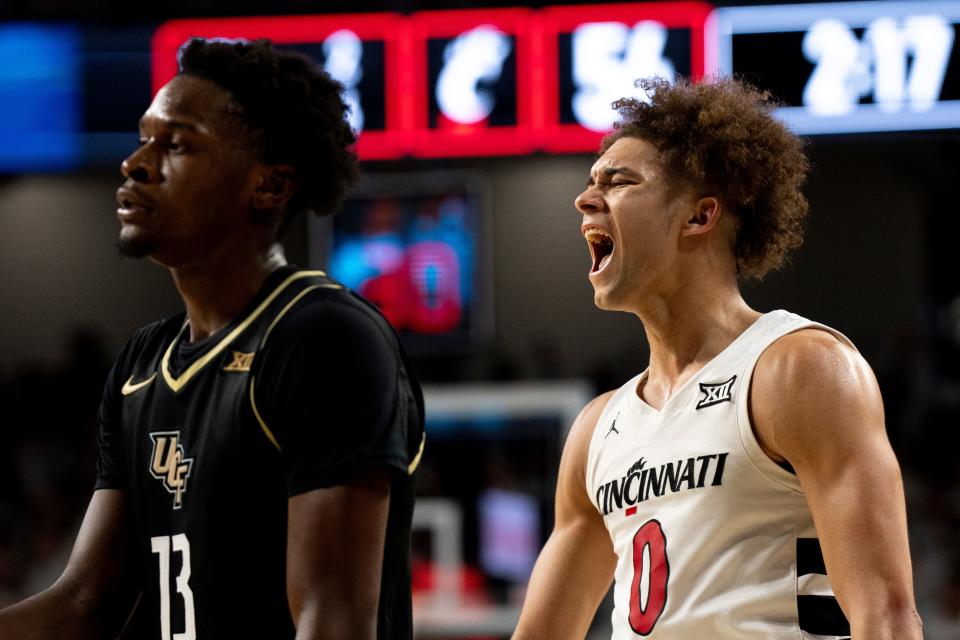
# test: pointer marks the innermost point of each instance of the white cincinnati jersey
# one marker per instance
(714, 540)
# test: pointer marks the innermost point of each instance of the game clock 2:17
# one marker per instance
(847, 67)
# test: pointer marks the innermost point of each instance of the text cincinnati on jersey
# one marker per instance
(641, 482)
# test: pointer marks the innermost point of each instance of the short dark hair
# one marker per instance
(293, 110)
(721, 137)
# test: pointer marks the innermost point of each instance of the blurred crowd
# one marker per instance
(47, 461)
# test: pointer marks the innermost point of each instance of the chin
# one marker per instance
(599, 300)
(603, 300)
(610, 299)
(135, 245)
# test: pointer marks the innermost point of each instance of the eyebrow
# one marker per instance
(609, 172)
(172, 124)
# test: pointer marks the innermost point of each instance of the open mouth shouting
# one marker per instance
(601, 248)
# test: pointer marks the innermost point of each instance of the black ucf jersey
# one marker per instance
(305, 389)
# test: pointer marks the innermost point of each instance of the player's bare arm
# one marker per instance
(830, 428)
(576, 566)
(335, 544)
(93, 597)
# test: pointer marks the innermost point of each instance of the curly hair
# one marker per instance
(293, 110)
(722, 138)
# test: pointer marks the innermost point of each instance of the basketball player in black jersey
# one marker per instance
(257, 452)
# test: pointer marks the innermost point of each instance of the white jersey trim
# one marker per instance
(812, 636)
(814, 584)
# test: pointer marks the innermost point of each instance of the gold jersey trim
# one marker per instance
(263, 425)
(253, 403)
(290, 305)
(176, 384)
(416, 459)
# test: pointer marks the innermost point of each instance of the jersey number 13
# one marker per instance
(162, 545)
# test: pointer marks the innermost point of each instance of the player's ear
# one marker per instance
(704, 216)
(273, 188)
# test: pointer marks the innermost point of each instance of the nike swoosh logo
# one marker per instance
(130, 387)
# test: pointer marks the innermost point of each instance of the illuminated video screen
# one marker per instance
(415, 245)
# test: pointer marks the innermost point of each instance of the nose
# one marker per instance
(139, 165)
(590, 201)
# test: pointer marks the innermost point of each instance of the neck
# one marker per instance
(216, 291)
(688, 327)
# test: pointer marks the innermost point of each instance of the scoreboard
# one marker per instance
(505, 81)
(850, 67)
(475, 82)
(513, 81)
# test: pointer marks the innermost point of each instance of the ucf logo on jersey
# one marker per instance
(169, 464)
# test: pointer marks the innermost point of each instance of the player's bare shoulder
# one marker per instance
(804, 378)
(810, 350)
(807, 361)
(573, 464)
(586, 423)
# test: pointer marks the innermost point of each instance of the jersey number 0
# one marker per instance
(651, 572)
(161, 545)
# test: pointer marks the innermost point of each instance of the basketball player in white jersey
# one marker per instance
(742, 487)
